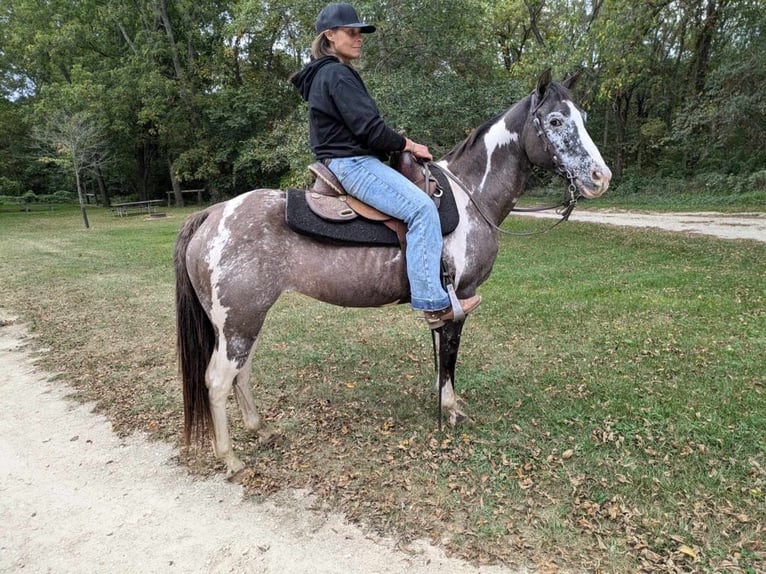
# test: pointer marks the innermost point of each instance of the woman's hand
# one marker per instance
(419, 151)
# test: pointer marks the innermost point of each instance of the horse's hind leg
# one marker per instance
(250, 417)
(220, 375)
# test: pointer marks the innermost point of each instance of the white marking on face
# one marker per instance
(585, 138)
(496, 137)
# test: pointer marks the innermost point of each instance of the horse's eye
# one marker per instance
(556, 122)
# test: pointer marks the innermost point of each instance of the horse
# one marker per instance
(234, 259)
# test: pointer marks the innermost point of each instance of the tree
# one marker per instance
(198, 92)
(75, 142)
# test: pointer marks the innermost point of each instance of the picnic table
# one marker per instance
(146, 206)
(197, 192)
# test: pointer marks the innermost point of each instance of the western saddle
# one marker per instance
(330, 201)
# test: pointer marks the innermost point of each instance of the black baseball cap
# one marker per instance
(340, 14)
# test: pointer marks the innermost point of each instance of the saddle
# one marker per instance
(326, 212)
(329, 200)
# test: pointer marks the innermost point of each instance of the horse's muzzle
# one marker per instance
(598, 184)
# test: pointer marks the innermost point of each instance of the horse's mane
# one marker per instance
(554, 88)
(471, 139)
(476, 134)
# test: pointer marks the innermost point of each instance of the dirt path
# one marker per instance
(75, 498)
(726, 226)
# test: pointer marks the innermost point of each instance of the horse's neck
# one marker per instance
(493, 166)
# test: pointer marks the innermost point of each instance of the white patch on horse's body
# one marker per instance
(218, 312)
(221, 370)
(395, 261)
(456, 243)
(496, 137)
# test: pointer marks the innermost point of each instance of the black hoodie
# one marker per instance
(344, 120)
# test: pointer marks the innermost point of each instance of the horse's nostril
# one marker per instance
(598, 176)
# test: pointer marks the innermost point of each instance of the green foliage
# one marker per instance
(9, 186)
(672, 88)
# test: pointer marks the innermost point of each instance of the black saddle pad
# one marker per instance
(301, 219)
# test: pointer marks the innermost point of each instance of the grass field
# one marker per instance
(616, 381)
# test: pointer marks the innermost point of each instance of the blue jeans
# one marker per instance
(376, 184)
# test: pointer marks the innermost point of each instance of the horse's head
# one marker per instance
(555, 137)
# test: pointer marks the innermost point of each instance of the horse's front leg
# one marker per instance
(447, 343)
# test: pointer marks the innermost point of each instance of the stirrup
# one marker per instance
(456, 312)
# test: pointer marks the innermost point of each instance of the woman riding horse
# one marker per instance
(349, 136)
(236, 258)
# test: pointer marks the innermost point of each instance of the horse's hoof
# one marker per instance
(234, 467)
(238, 476)
(268, 437)
(458, 417)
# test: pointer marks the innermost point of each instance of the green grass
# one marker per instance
(615, 379)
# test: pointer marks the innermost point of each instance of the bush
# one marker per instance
(709, 184)
(757, 181)
(9, 187)
(60, 196)
(29, 197)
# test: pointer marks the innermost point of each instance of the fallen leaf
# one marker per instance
(684, 549)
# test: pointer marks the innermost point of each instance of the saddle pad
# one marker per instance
(359, 231)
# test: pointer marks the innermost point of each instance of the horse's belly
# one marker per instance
(350, 276)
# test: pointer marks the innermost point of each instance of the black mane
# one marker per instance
(478, 133)
(554, 89)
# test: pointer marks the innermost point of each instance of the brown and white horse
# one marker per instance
(234, 259)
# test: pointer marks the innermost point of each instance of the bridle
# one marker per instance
(564, 208)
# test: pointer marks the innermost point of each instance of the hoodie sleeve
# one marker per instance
(361, 115)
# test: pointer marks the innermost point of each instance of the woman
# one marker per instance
(349, 136)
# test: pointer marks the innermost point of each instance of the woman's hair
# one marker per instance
(321, 47)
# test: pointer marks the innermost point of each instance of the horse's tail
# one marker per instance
(195, 339)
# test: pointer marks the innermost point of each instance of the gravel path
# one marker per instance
(726, 226)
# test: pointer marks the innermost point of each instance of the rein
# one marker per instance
(565, 208)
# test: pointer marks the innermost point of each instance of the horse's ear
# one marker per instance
(542, 83)
(570, 82)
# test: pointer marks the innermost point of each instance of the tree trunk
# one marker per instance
(103, 192)
(534, 12)
(179, 197)
(81, 197)
(704, 44)
(162, 9)
(621, 106)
